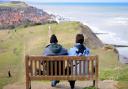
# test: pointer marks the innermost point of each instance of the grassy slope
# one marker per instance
(9, 57)
(108, 63)
(8, 4)
(32, 40)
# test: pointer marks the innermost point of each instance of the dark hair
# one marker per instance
(53, 39)
(80, 38)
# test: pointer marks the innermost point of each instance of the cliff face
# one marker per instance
(91, 40)
(13, 16)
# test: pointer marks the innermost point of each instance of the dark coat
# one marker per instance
(54, 49)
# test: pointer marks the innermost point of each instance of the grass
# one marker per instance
(123, 77)
(123, 85)
(32, 40)
(10, 58)
(108, 63)
(9, 4)
(111, 68)
(89, 88)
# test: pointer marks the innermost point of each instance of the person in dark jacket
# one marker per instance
(54, 49)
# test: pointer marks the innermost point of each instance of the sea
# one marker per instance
(110, 20)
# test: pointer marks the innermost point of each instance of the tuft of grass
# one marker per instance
(122, 85)
(90, 87)
(123, 72)
(9, 4)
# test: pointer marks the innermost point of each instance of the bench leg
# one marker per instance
(28, 84)
(95, 83)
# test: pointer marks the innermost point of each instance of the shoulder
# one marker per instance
(87, 48)
(47, 46)
(64, 50)
(86, 52)
(72, 51)
(59, 45)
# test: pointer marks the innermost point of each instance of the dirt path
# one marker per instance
(106, 84)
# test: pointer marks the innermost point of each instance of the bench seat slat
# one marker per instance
(61, 58)
(60, 78)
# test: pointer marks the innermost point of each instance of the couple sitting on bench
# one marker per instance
(55, 49)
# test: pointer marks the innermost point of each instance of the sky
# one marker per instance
(76, 0)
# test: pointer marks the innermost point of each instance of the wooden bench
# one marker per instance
(61, 68)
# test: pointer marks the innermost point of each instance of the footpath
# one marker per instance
(106, 84)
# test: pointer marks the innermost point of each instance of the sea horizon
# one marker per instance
(110, 18)
(114, 4)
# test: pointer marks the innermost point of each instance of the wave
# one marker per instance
(120, 20)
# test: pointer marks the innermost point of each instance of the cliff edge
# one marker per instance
(91, 40)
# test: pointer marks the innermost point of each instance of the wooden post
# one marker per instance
(28, 85)
(88, 62)
(9, 73)
(40, 68)
(96, 72)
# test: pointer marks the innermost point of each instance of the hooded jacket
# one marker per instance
(79, 50)
(74, 51)
(54, 49)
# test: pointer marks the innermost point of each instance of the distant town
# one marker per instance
(13, 16)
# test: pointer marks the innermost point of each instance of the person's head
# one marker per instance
(80, 38)
(53, 39)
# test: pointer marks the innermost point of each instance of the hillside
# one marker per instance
(14, 14)
(15, 44)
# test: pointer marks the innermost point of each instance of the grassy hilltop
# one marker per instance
(16, 43)
(14, 4)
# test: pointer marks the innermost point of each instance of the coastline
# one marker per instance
(122, 58)
(109, 68)
(100, 34)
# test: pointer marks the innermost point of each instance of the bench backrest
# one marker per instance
(61, 67)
